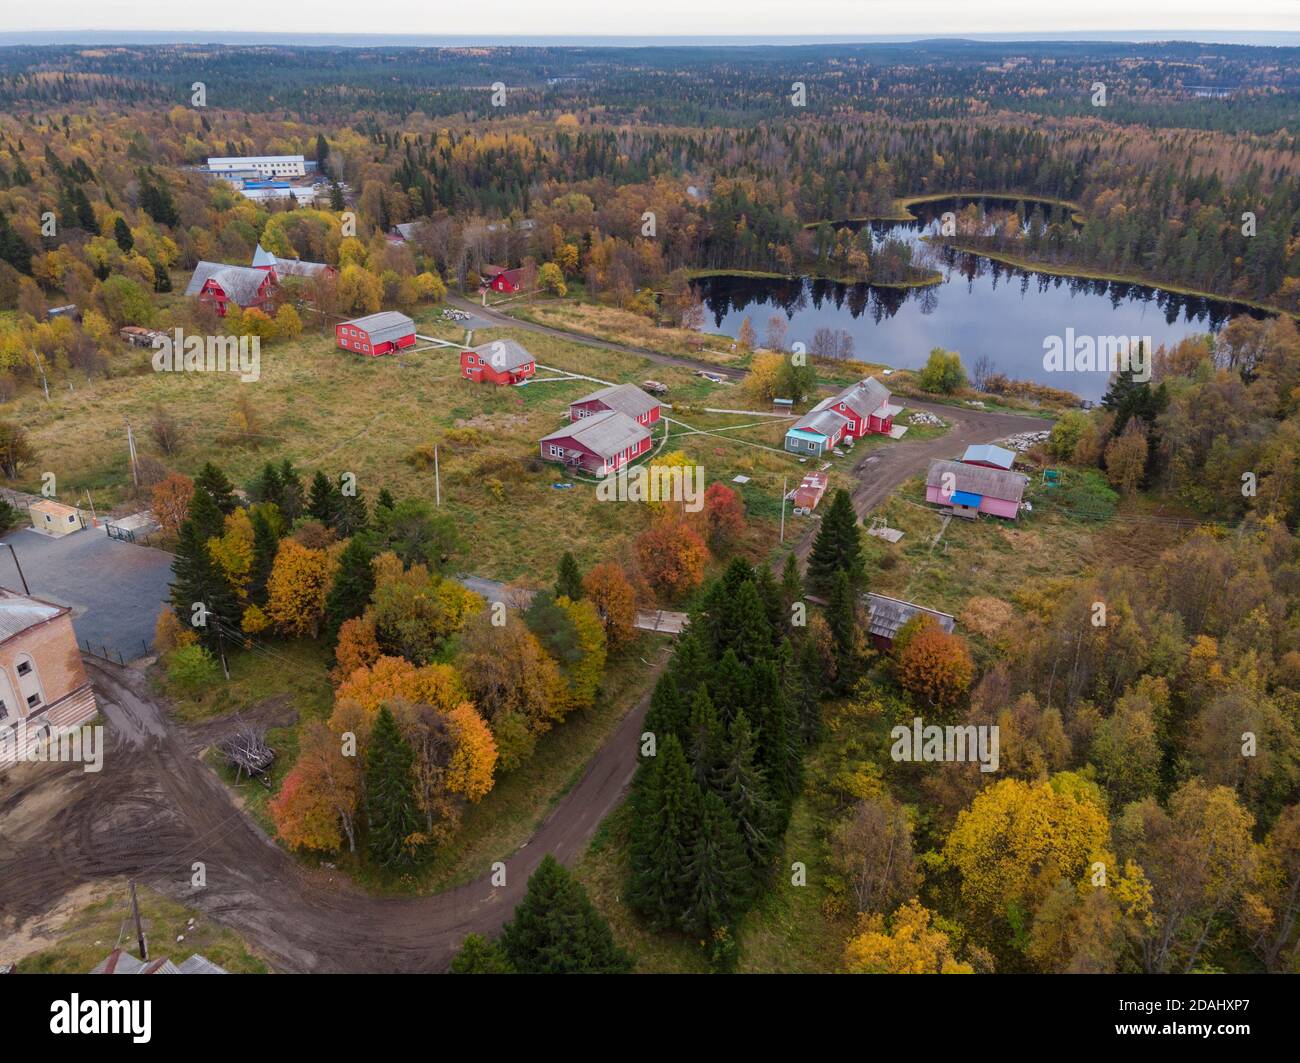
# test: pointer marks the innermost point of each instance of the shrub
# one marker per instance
(191, 668)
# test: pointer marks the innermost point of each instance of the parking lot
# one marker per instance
(114, 588)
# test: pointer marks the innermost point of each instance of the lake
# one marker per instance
(982, 307)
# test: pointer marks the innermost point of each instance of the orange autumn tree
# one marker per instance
(358, 647)
(935, 666)
(672, 556)
(395, 678)
(609, 590)
(171, 501)
(725, 515)
(316, 807)
(475, 759)
(300, 580)
(909, 945)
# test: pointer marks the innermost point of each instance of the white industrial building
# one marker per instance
(264, 165)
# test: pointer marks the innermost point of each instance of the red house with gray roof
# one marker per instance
(601, 444)
(376, 334)
(221, 285)
(498, 362)
(625, 398)
(859, 410)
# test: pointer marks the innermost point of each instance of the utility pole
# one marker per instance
(94, 517)
(139, 930)
(437, 478)
(785, 483)
(221, 649)
(19, 568)
(130, 447)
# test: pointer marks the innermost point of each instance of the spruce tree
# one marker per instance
(199, 579)
(269, 487)
(478, 955)
(122, 234)
(348, 596)
(665, 814)
(838, 545)
(791, 582)
(292, 499)
(392, 815)
(741, 784)
(265, 546)
(721, 881)
(557, 930)
(668, 714)
(842, 617)
(323, 501)
(707, 739)
(779, 747)
(568, 584)
(810, 675)
(385, 500)
(218, 486)
(206, 515)
(352, 515)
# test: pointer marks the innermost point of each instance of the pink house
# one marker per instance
(974, 489)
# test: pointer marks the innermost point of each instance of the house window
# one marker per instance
(24, 667)
(33, 700)
(72, 519)
(4, 710)
(557, 451)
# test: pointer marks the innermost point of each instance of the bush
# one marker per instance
(943, 373)
(191, 668)
(1087, 496)
(8, 516)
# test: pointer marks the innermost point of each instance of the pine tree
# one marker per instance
(392, 815)
(668, 714)
(265, 546)
(791, 581)
(199, 579)
(810, 682)
(354, 583)
(718, 871)
(352, 515)
(324, 500)
(665, 810)
(730, 686)
(478, 955)
(779, 748)
(557, 930)
(842, 617)
(838, 545)
(569, 582)
(385, 500)
(218, 486)
(122, 234)
(741, 784)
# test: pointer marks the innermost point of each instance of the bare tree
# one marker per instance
(981, 371)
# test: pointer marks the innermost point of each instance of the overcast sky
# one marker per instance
(658, 18)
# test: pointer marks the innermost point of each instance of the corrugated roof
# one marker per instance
(19, 612)
(384, 326)
(889, 614)
(864, 397)
(626, 398)
(996, 483)
(240, 283)
(821, 420)
(121, 962)
(606, 434)
(994, 455)
(503, 355)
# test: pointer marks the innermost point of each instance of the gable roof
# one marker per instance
(821, 419)
(977, 480)
(994, 455)
(288, 267)
(626, 398)
(240, 283)
(864, 397)
(121, 962)
(607, 434)
(262, 257)
(503, 355)
(384, 326)
(889, 614)
(19, 612)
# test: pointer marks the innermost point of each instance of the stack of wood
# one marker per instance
(246, 751)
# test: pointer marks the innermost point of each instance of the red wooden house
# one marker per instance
(601, 444)
(499, 362)
(376, 334)
(220, 285)
(867, 407)
(625, 398)
(506, 281)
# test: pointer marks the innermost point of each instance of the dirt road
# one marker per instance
(155, 809)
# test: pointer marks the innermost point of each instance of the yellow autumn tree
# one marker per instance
(233, 550)
(584, 674)
(300, 579)
(907, 945)
(395, 678)
(475, 758)
(1017, 839)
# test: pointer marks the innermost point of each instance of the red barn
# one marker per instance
(220, 285)
(601, 444)
(377, 334)
(625, 398)
(498, 362)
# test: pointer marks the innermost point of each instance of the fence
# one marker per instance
(110, 654)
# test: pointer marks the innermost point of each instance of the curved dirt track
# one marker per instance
(156, 808)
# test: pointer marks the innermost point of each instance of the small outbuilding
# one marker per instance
(989, 456)
(888, 615)
(376, 334)
(54, 518)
